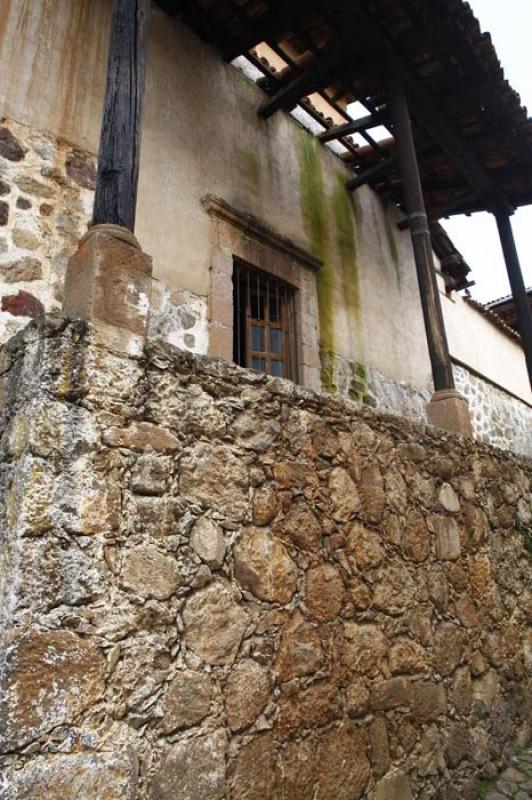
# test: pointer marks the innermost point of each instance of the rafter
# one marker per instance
(314, 78)
(352, 23)
(372, 173)
(356, 126)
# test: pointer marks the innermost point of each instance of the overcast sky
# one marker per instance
(510, 23)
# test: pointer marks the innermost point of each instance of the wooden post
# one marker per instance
(118, 161)
(421, 242)
(108, 279)
(517, 284)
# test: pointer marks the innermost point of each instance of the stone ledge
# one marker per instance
(257, 230)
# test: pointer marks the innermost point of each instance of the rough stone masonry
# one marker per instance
(218, 585)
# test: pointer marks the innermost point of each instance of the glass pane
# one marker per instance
(277, 368)
(276, 340)
(275, 306)
(257, 338)
(258, 364)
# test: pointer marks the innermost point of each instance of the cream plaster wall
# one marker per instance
(202, 135)
(478, 343)
(53, 56)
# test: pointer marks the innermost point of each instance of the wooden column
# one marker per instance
(108, 279)
(517, 284)
(419, 230)
(118, 160)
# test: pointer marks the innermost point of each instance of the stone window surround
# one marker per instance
(237, 234)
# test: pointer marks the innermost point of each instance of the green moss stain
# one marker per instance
(358, 385)
(331, 223)
(251, 168)
(344, 217)
(329, 370)
(314, 210)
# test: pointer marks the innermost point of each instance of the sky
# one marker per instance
(476, 237)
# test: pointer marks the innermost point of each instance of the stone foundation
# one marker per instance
(498, 418)
(219, 585)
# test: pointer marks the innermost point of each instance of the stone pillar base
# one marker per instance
(108, 282)
(449, 410)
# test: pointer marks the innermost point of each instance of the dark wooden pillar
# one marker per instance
(118, 165)
(517, 284)
(421, 241)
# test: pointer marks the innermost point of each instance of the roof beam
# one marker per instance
(371, 173)
(457, 206)
(307, 106)
(314, 78)
(380, 168)
(347, 128)
(352, 23)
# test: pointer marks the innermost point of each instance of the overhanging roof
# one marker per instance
(474, 138)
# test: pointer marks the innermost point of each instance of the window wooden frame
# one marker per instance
(264, 305)
(236, 234)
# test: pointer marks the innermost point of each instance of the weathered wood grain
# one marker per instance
(119, 154)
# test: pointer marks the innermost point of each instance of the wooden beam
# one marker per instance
(115, 198)
(371, 173)
(352, 23)
(380, 168)
(442, 371)
(517, 284)
(357, 125)
(314, 78)
(456, 206)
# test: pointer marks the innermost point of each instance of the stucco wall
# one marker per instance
(220, 582)
(201, 136)
(477, 342)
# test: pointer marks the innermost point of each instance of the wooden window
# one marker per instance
(264, 322)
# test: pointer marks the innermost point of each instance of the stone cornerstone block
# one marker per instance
(108, 281)
(449, 410)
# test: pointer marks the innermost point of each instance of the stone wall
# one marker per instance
(46, 195)
(222, 586)
(498, 418)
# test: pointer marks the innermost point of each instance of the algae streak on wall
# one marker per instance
(330, 224)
